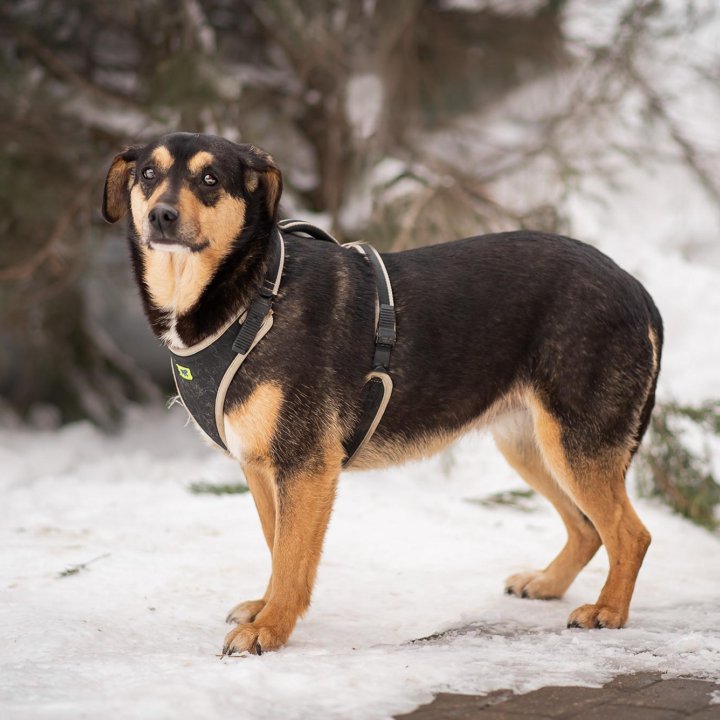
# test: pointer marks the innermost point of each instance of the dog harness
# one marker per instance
(204, 371)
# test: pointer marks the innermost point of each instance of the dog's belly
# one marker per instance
(385, 450)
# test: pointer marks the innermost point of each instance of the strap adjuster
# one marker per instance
(254, 319)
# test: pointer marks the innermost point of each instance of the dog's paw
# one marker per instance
(245, 612)
(536, 584)
(254, 638)
(596, 616)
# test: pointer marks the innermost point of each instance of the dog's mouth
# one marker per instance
(173, 243)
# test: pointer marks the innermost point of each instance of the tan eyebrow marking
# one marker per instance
(200, 160)
(162, 158)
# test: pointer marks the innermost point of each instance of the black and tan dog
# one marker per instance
(541, 336)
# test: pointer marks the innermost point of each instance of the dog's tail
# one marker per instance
(656, 337)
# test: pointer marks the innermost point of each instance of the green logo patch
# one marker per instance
(185, 373)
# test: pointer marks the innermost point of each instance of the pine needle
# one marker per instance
(75, 569)
(206, 488)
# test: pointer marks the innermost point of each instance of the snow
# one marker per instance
(137, 633)
(364, 103)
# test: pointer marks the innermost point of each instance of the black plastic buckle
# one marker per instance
(385, 338)
(386, 326)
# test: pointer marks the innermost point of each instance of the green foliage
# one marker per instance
(518, 499)
(75, 569)
(183, 81)
(206, 488)
(669, 467)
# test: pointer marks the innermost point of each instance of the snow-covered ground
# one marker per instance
(408, 556)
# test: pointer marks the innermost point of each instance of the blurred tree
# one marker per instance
(79, 81)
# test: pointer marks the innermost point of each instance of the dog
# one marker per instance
(541, 337)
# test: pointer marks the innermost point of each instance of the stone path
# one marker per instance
(644, 696)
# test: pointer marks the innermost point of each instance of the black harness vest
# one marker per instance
(204, 371)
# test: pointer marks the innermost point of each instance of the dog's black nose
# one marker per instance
(162, 217)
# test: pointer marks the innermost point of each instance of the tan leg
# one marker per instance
(626, 540)
(262, 488)
(516, 442)
(597, 485)
(304, 504)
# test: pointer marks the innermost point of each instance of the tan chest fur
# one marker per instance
(250, 427)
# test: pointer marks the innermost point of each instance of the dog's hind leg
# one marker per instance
(262, 488)
(514, 437)
(304, 503)
(596, 482)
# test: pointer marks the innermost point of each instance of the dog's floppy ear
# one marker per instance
(116, 196)
(272, 180)
(262, 172)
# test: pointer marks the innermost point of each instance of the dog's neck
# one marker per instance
(188, 296)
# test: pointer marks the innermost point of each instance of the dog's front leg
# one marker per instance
(261, 482)
(304, 503)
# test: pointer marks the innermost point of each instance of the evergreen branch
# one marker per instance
(669, 469)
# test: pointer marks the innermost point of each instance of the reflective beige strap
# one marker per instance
(281, 265)
(387, 392)
(376, 254)
(230, 373)
(209, 340)
(359, 245)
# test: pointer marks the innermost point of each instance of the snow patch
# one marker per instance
(363, 104)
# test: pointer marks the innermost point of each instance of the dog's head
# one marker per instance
(190, 193)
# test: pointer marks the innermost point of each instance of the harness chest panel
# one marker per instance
(198, 377)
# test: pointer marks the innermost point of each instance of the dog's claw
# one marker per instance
(508, 590)
(525, 594)
(258, 649)
(573, 624)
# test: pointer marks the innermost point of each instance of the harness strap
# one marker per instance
(379, 385)
(260, 307)
(300, 226)
(385, 335)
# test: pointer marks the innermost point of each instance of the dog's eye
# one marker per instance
(209, 179)
(148, 173)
